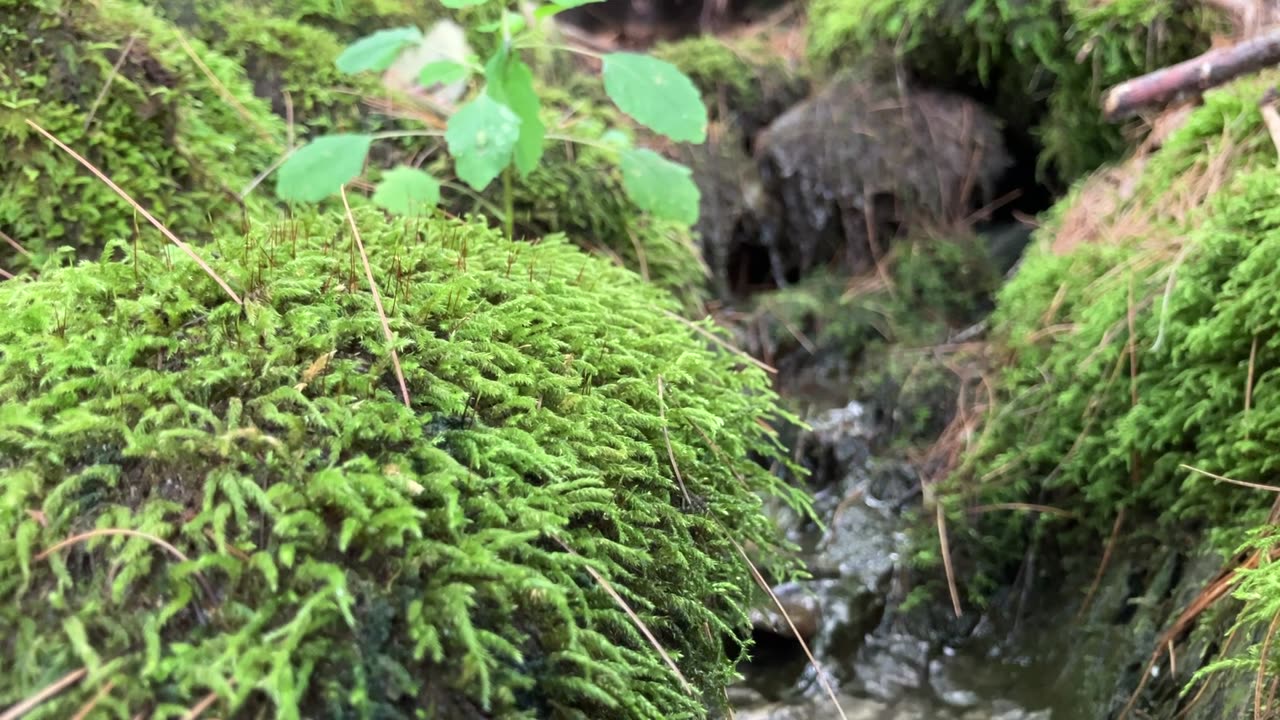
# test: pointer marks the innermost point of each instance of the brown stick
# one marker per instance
(1192, 77)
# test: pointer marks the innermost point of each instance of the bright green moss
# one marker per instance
(161, 130)
(346, 556)
(579, 193)
(1043, 65)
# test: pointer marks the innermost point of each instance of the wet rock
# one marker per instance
(892, 666)
(947, 689)
(731, 201)
(802, 606)
(819, 709)
(864, 157)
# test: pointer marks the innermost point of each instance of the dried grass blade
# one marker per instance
(377, 300)
(159, 226)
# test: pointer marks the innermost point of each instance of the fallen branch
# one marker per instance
(1192, 77)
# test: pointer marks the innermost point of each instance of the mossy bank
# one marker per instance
(1139, 351)
(204, 501)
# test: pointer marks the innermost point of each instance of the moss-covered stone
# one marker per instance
(156, 124)
(1042, 64)
(577, 190)
(1138, 348)
(202, 498)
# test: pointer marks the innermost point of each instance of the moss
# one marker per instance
(161, 130)
(581, 195)
(1144, 352)
(930, 286)
(1042, 64)
(281, 55)
(332, 552)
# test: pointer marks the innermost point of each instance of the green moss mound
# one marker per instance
(157, 125)
(578, 192)
(1042, 65)
(1138, 356)
(283, 56)
(1071, 431)
(333, 553)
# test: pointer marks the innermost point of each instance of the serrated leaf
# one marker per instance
(459, 4)
(481, 136)
(442, 72)
(377, 51)
(659, 186)
(511, 83)
(406, 191)
(321, 167)
(657, 95)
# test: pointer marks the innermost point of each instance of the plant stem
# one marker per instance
(566, 48)
(509, 201)
(581, 141)
(390, 134)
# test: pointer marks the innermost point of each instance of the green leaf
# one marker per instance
(660, 186)
(616, 139)
(481, 136)
(407, 191)
(657, 95)
(443, 72)
(556, 8)
(377, 51)
(319, 168)
(511, 83)
(515, 23)
(459, 4)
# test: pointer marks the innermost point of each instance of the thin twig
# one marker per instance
(115, 70)
(88, 707)
(1103, 564)
(150, 218)
(224, 92)
(722, 343)
(6, 274)
(1262, 668)
(253, 184)
(49, 691)
(822, 677)
(14, 244)
(946, 560)
(113, 531)
(377, 300)
(198, 709)
(662, 413)
(634, 618)
(1047, 509)
(1241, 483)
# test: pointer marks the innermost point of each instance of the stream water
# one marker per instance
(884, 662)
